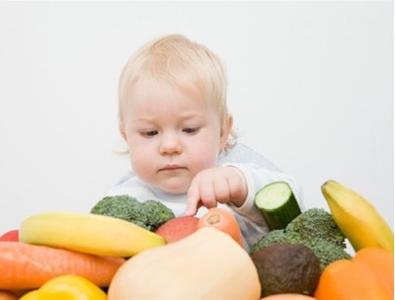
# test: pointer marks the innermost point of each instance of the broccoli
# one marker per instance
(316, 224)
(315, 229)
(273, 237)
(149, 215)
(157, 213)
(327, 252)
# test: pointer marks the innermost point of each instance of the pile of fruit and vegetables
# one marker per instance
(124, 249)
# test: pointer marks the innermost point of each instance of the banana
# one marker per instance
(357, 218)
(88, 233)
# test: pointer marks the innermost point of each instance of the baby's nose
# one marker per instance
(170, 144)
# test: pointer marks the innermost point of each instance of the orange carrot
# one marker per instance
(4, 295)
(222, 220)
(24, 266)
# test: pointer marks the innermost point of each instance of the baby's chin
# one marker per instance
(174, 186)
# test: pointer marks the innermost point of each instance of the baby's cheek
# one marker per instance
(141, 164)
(204, 160)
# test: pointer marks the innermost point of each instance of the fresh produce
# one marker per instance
(381, 263)
(357, 218)
(178, 228)
(157, 213)
(223, 220)
(149, 215)
(327, 252)
(277, 204)
(88, 233)
(208, 264)
(286, 268)
(5, 295)
(368, 276)
(24, 266)
(288, 297)
(271, 238)
(12, 235)
(67, 287)
(315, 229)
(316, 223)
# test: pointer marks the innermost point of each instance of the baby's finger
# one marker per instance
(222, 191)
(193, 199)
(236, 187)
(207, 194)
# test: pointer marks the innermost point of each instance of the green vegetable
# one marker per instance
(272, 238)
(149, 215)
(277, 204)
(314, 224)
(313, 228)
(156, 213)
(328, 252)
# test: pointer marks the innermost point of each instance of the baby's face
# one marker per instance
(172, 134)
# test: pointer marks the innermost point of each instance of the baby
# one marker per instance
(174, 118)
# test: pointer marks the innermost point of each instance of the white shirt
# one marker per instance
(257, 170)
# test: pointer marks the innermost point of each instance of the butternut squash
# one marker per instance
(207, 264)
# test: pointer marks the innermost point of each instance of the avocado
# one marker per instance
(285, 268)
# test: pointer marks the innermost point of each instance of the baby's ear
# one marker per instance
(226, 129)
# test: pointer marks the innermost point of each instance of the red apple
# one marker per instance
(11, 236)
(178, 228)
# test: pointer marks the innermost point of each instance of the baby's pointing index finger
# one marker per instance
(192, 200)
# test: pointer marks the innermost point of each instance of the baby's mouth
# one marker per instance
(172, 168)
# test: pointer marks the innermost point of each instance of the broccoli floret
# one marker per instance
(273, 237)
(315, 224)
(122, 207)
(147, 215)
(156, 213)
(327, 252)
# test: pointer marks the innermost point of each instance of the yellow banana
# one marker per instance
(88, 233)
(357, 218)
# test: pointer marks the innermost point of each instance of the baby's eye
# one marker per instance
(149, 133)
(190, 130)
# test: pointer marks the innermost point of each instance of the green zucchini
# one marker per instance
(277, 204)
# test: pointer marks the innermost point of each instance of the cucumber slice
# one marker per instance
(277, 204)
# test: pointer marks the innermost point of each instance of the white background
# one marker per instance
(310, 85)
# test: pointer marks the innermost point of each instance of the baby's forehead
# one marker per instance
(151, 100)
(144, 89)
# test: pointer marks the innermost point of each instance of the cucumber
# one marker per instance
(277, 204)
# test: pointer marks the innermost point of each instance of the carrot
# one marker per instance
(4, 295)
(222, 220)
(24, 266)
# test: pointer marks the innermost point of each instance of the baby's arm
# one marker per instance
(256, 178)
(252, 223)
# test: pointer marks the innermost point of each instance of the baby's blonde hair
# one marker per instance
(177, 60)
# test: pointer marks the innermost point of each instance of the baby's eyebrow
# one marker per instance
(184, 117)
(143, 119)
(191, 116)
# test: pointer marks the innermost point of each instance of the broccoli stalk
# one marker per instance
(149, 215)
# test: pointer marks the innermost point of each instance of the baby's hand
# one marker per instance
(210, 186)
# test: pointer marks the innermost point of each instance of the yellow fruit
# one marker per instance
(357, 218)
(88, 233)
(67, 287)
